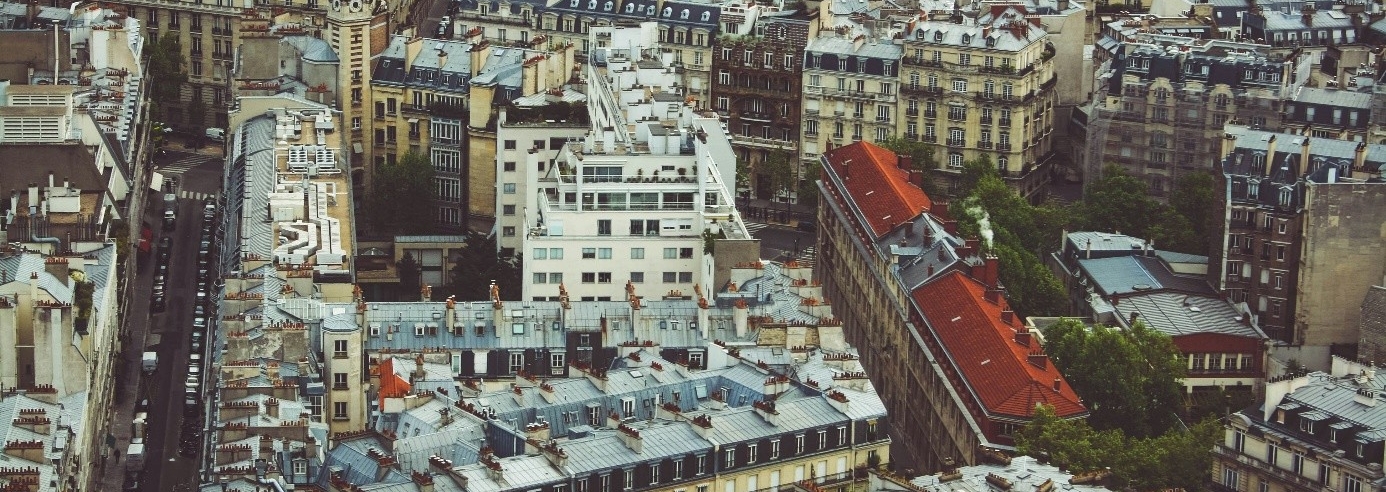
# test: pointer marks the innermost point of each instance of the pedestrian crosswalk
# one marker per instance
(755, 227)
(184, 164)
(193, 195)
(807, 255)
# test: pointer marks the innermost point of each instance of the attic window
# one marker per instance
(630, 8)
(938, 37)
(967, 39)
(573, 4)
(684, 15)
(991, 42)
(707, 16)
(668, 11)
(608, 6)
(591, 4)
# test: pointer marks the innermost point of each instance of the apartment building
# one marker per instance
(541, 126)
(755, 60)
(1316, 431)
(1164, 99)
(1277, 256)
(673, 394)
(850, 77)
(284, 179)
(358, 31)
(287, 62)
(891, 262)
(1118, 281)
(1019, 473)
(1286, 26)
(982, 91)
(650, 181)
(1342, 113)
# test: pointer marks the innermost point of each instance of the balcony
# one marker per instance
(856, 115)
(986, 120)
(930, 114)
(911, 112)
(956, 142)
(762, 142)
(846, 93)
(1004, 122)
(921, 62)
(957, 117)
(413, 135)
(1004, 147)
(921, 90)
(931, 138)
(811, 112)
(984, 145)
(882, 119)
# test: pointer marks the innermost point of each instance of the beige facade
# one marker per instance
(1342, 238)
(985, 92)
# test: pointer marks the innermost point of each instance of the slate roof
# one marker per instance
(1177, 315)
(1337, 400)
(1024, 473)
(982, 347)
(879, 189)
(1002, 35)
(312, 49)
(1334, 97)
(1135, 274)
(881, 49)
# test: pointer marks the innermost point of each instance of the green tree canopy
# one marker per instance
(1121, 202)
(1130, 379)
(165, 70)
(1177, 459)
(398, 191)
(1018, 233)
(477, 267)
(778, 171)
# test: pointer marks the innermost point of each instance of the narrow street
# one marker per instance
(166, 332)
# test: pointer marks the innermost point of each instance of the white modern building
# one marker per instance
(644, 197)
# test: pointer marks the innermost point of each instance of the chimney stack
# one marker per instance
(1058, 384)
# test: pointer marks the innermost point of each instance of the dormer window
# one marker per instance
(684, 15)
(707, 16)
(668, 11)
(919, 34)
(938, 37)
(573, 4)
(967, 39)
(991, 42)
(650, 10)
(591, 4)
(630, 8)
(608, 6)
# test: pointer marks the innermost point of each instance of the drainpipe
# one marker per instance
(57, 243)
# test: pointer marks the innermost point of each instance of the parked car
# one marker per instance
(215, 134)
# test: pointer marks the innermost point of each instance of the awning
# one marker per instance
(356, 147)
(413, 120)
(1341, 425)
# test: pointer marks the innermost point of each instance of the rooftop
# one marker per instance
(1021, 473)
(1176, 315)
(1334, 97)
(982, 338)
(880, 187)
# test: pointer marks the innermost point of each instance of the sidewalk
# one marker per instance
(180, 144)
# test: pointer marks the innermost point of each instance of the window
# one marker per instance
(1297, 464)
(556, 361)
(629, 482)
(685, 277)
(604, 227)
(1306, 425)
(702, 465)
(1231, 477)
(685, 253)
(339, 349)
(1351, 483)
(300, 467)
(508, 231)
(555, 253)
(678, 468)
(654, 473)
(589, 277)
(822, 439)
(339, 380)
(517, 361)
(959, 85)
(841, 436)
(751, 453)
(637, 277)
(671, 277)
(509, 188)
(603, 253)
(798, 444)
(507, 210)
(589, 253)
(729, 460)
(540, 278)
(339, 411)
(775, 449)
(671, 253)
(637, 253)
(603, 277)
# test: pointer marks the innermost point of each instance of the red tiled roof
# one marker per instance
(391, 385)
(880, 190)
(983, 347)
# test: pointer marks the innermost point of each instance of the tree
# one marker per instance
(197, 112)
(1130, 379)
(165, 70)
(1195, 197)
(1177, 459)
(1122, 202)
(808, 186)
(777, 170)
(1018, 233)
(477, 266)
(409, 280)
(398, 193)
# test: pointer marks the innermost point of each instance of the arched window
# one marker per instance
(668, 11)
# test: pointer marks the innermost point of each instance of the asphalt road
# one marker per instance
(165, 468)
(783, 243)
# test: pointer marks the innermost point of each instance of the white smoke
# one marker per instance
(983, 224)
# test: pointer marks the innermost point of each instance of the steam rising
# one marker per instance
(983, 224)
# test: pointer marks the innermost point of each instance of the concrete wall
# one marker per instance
(1344, 241)
(729, 252)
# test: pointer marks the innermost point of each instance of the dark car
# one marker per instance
(808, 226)
(157, 304)
(165, 242)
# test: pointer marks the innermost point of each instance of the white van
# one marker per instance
(216, 134)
